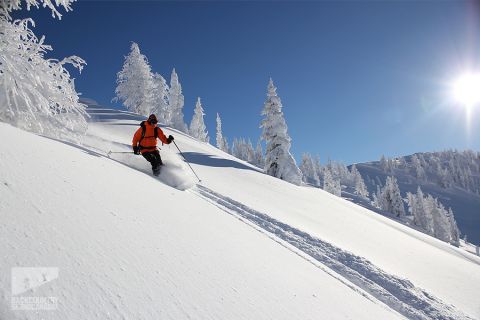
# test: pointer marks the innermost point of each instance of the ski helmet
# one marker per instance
(152, 119)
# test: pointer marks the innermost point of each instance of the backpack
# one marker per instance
(144, 129)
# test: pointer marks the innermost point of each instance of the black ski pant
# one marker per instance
(154, 158)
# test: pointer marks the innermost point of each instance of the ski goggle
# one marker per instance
(152, 120)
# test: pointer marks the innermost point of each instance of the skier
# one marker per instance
(145, 142)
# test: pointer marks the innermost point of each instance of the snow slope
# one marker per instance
(445, 271)
(241, 245)
(129, 247)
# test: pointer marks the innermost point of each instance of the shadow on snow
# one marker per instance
(212, 161)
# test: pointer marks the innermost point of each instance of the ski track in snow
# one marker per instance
(399, 294)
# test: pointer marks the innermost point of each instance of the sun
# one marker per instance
(466, 90)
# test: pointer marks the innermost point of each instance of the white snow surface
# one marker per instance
(239, 245)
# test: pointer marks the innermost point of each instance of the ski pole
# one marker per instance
(186, 161)
(110, 152)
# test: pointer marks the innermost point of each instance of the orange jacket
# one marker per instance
(149, 142)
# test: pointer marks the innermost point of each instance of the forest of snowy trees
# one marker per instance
(451, 170)
(447, 169)
(431, 216)
(144, 92)
(424, 211)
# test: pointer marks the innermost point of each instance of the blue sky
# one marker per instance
(357, 79)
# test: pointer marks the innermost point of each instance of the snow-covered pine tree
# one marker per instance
(330, 184)
(278, 160)
(135, 83)
(392, 200)
(226, 147)
(235, 150)
(340, 172)
(197, 126)
(243, 150)
(176, 102)
(305, 167)
(360, 187)
(250, 152)
(441, 223)
(160, 96)
(454, 231)
(309, 172)
(37, 94)
(412, 206)
(377, 201)
(221, 140)
(445, 178)
(333, 168)
(421, 215)
(418, 168)
(219, 135)
(318, 169)
(387, 165)
(259, 159)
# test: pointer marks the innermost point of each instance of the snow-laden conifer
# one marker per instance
(318, 169)
(431, 216)
(160, 99)
(359, 184)
(250, 151)
(330, 184)
(242, 150)
(454, 231)
(197, 126)
(135, 83)
(417, 207)
(390, 199)
(259, 158)
(441, 223)
(37, 94)
(278, 160)
(222, 143)
(176, 102)
(418, 168)
(309, 172)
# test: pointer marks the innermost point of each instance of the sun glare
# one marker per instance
(466, 90)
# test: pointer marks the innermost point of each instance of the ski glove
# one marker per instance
(136, 150)
(170, 139)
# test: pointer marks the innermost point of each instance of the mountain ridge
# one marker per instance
(464, 203)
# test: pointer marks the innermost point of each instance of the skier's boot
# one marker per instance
(156, 167)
